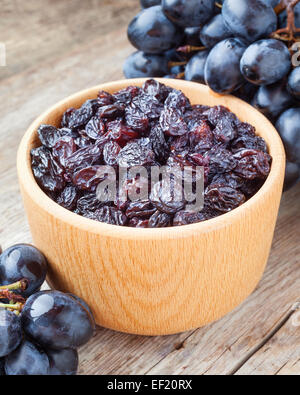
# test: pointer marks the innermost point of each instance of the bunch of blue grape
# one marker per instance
(40, 331)
(247, 48)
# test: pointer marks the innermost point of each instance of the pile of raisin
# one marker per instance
(150, 126)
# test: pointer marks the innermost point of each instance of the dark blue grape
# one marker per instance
(149, 3)
(222, 69)
(23, 261)
(272, 100)
(272, 3)
(249, 19)
(141, 65)
(288, 126)
(293, 85)
(266, 62)
(63, 362)
(194, 70)
(188, 13)
(27, 360)
(246, 92)
(152, 32)
(84, 304)
(214, 31)
(2, 371)
(292, 175)
(192, 36)
(10, 332)
(56, 320)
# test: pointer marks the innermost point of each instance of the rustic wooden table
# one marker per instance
(57, 47)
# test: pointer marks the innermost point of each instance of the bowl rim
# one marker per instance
(28, 182)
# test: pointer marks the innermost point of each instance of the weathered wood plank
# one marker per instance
(57, 63)
(279, 356)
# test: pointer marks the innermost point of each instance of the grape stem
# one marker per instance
(287, 33)
(15, 307)
(14, 298)
(18, 286)
(190, 48)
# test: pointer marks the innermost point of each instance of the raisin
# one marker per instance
(80, 117)
(47, 171)
(136, 153)
(160, 220)
(95, 128)
(63, 149)
(140, 209)
(167, 196)
(88, 203)
(188, 218)
(111, 215)
(252, 164)
(48, 135)
(111, 151)
(68, 197)
(83, 157)
(223, 198)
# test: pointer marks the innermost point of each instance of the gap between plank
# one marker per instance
(276, 329)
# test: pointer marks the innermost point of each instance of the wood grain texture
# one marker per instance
(29, 85)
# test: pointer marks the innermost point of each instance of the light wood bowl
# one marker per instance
(156, 281)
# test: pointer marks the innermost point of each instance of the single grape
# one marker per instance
(2, 371)
(152, 32)
(249, 19)
(292, 175)
(150, 3)
(23, 261)
(57, 320)
(272, 100)
(85, 305)
(63, 362)
(214, 31)
(266, 62)
(272, 3)
(293, 85)
(10, 332)
(188, 13)
(27, 360)
(177, 70)
(140, 65)
(194, 70)
(246, 92)
(192, 36)
(222, 68)
(288, 126)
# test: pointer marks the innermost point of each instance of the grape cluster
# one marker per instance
(247, 48)
(40, 331)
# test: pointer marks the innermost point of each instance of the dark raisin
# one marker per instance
(223, 198)
(63, 149)
(46, 170)
(188, 218)
(111, 151)
(95, 128)
(140, 209)
(168, 196)
(68, 197)
(252, 164)
(48, 135)
(111, 215)
(136, 153)
(160, 220)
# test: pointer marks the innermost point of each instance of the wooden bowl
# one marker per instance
(156, 281)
